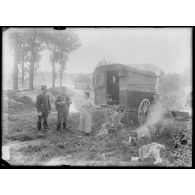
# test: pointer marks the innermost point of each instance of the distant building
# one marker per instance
(83, 81)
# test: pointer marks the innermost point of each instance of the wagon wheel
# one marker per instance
(143, 110)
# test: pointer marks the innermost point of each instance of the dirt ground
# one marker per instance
(29, 147)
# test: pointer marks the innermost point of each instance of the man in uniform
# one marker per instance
(43, 107)
(62, 106)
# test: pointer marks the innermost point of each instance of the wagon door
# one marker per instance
(100, 89)
(123, 78)
(112, 86)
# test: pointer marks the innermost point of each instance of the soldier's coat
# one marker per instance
(43, 104)
(62, 109)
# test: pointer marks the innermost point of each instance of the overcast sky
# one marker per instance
(168, 48)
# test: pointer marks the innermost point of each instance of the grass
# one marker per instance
(75, 148)
(20, 137)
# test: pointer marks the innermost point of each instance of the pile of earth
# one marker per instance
(19, 101)
(23, 100)
(15, 107)
(23, 96)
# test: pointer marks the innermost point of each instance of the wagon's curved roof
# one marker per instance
(124, 68)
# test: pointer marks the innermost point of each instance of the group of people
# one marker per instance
(62, 105)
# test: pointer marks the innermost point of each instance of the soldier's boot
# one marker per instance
(64, 125)
(39, 125)
(58, 126)
(45, 125)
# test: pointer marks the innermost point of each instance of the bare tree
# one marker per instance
(27, 46)
(62, 61)
(54, 60)
(16, 44)
(15, 72)
(60, 43)
(34, 44)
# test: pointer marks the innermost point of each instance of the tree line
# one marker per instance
(27, 45)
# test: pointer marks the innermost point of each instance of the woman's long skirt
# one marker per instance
(85, 122)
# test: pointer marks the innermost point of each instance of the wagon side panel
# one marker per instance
(141, 82)
(100, 88)
(103, 96)
(123, 91)
(134, 98)
(97, 96)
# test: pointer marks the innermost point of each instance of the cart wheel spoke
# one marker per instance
(143, 109)
(147, 108)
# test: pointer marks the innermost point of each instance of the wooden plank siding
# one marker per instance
(123, 91)
(141, 82)
(100, 88)
(134, 99)
(134, 85)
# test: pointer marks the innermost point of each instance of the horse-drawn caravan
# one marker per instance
(123, 87)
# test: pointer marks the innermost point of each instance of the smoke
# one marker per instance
(175, 94)
(175, 89)
(156, 114)
(77, 101)
(77, 98)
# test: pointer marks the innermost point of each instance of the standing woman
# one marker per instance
(87, 110)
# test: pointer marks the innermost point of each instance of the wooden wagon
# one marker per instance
(126, 87)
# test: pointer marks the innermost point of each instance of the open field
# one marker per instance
(28, 147)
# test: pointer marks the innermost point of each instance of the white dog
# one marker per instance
(152, 150)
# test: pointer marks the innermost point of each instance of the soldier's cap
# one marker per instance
(43, 87)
